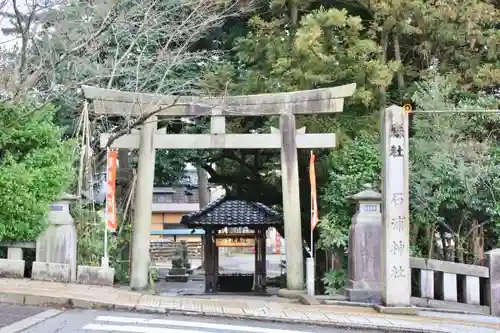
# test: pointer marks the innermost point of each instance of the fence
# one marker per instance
(163, 250)
(454, 286)
(15, 266)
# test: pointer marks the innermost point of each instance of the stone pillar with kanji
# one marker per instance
(395, 247)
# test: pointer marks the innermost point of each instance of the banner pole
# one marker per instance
(310, 261)
(105, 260)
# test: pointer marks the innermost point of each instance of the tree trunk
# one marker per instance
(383, 57)
(429, 235)
(204, 198)
(477, 243)
(415, 229)
(397, 57)
(121, 185)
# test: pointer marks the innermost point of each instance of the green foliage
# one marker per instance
(329, 49)
(90, 227)
(119, 258)
(358, 163)
(334, 280)
(35, 168)
(454, 162)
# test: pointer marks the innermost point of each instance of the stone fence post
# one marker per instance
(493, 288)
(364, 271)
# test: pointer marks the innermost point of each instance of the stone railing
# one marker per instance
(456, 286)
(14, 265)
(56, 252)
(163, 250)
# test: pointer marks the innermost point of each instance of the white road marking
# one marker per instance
(30, 321)
(191, 324)
(136, 329)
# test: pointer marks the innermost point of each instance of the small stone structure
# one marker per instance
(55, 252)
(103, 276)
(364, 272)
(180, 265)
(14, 265)
(51, 271)
(57, 244)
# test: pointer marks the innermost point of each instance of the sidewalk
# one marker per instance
(265, 309)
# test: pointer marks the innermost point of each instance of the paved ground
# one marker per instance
(11, 313)
(92, 321)
(263, 309)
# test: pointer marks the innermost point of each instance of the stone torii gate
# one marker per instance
(287, 138)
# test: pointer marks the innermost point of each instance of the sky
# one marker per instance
(6, 7)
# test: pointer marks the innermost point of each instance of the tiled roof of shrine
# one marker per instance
(227, 212)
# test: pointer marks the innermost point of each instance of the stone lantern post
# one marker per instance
(364, 272)
(57, 244)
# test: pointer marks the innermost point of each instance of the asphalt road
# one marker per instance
(10, 314)
(97, 321)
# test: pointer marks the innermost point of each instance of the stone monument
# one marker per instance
(56, 246)
(364, 271)
(395, 245)
(180, 264)
(185, 255)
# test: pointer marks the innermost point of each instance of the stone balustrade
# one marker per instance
(456, 286)
(56, 252)
(14, 265)
(434, 283)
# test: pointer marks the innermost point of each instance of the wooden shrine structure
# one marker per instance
(231, 213)
(150, 107)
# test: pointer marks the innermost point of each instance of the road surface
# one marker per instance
(97, 321)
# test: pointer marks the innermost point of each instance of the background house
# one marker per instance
(170, 203)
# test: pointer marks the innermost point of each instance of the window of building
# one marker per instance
(163, 197)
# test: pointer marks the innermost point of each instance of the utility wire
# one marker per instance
(457, 111)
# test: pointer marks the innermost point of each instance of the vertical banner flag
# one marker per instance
(314, 201)
(277, 240)
(111, 186)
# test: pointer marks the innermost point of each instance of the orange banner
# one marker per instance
(111, 186)
(314, 201)
(278, 242)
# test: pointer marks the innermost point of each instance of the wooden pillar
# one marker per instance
(215, 262)
(204, 197)
(208, 263)
(263, 259)
(260, 260)
(256, 261)
(291, 204)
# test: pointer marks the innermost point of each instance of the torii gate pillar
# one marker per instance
(141, 224)
(291, 206)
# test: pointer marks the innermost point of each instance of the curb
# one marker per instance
(359, 328)
(85, 304)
